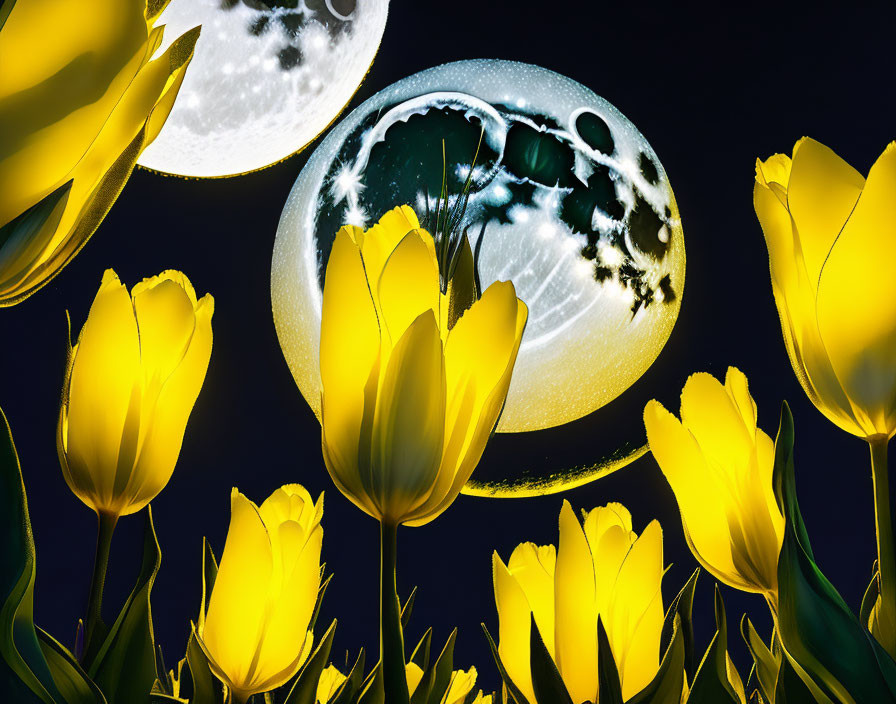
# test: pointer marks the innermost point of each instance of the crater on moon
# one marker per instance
(266, 78)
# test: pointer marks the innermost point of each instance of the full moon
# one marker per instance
(266, 79)
(568, 201)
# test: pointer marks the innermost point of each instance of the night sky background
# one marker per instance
(710, 91)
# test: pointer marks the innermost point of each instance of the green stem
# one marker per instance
(886, 549)
(105, 528)
(395, 683)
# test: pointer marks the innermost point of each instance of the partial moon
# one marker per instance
(265, 80)
(568, 201)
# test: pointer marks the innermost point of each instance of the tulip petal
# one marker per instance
(696, 489)
(513, 627)
(635, 620)
(409, 425)
(822, 193)
(533, 568)
(164, 434)
(380, 241)
(409, 284)
(480, 354)
(288, 620)
(795, 300)
(236, 612)
(575, 636)
(349, 349)
(857, 301)
(715, 421)
(106, 363)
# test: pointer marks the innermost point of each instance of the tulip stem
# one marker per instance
(105, 528)
(886, 551)
(395, 683)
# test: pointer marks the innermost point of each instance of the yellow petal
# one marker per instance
(414, 674)
(236, 612)
(329, 683)
(823, 192)
(379, 241)
(480, 354)
(716, 423)
(857, 301)
(575, 637)
(696, 489)
(795, 300)
(105, 368)
(409, 284)
(533, 568)
(635, 620)
(349, 348)
(514, 623)
(171, 410)
(409, 424)
(281, 652)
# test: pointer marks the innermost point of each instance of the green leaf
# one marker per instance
(321, 591)
(711, 684)
(609, 686)
(372, 688)
(349, 689)
(765, 664)
(668, 683)
(209, 575)
(870, 598)
(462, 292)
(682, 606)
(420, 656)
(790, 689)
(304, 691)
(204, 687)
(546, 680)
(74, 684)
(125, 667)
(408, 608)
(830, 650)
(25, 676)
(440, 676)
(516, 696)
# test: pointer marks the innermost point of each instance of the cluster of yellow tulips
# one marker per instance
(416, 363)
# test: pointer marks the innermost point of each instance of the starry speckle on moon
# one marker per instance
(265, 80)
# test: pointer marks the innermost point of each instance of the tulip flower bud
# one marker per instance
(831, 237)
(602, 570)
(720, 467)
(255, 634)
(131, 382)
(76, 115)
(410, 397)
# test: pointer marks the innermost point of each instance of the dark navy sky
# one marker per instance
(711, 90)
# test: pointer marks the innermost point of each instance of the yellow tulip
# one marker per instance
(131, 382)
(720, 466)
(255, 634)
(459, 687)
(831, 239)
(407, 403)
(603, 570)
(80, 98)
(328, 685)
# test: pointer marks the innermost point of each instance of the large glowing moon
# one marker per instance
(568, 201)
(265, 80)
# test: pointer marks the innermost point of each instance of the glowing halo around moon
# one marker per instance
(265, 80)
(568, 201)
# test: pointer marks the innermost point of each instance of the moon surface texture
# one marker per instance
(568, 201)
(266, 78)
